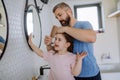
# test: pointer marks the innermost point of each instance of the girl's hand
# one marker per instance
(81, 56)
(48, 40)
(30, 39)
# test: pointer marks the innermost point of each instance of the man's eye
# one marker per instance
(59, 14)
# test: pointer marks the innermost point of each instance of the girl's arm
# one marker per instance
(76, 69)
(37, 50)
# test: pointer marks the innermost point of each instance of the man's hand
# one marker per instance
(61, 29)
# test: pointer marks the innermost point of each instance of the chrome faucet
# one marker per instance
(42, 69)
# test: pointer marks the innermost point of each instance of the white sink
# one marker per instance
(106, 67)
(43, 77)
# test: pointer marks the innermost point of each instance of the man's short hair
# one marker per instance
(61, 5)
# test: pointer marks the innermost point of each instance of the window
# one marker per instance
(91, 13)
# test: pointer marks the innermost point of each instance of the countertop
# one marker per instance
(109, 68)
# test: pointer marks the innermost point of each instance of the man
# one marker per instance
(84, 37)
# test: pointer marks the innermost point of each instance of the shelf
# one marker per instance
(114, 14)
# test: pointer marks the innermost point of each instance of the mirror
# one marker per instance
(3, 28)
(33, 24)
(44, 1)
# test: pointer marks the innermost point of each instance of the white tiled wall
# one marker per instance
(18, 62)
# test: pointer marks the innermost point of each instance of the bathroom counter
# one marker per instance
(109, 68)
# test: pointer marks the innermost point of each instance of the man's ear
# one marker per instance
(69, 12)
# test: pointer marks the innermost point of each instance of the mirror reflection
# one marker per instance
(3, 28)
(33, 25)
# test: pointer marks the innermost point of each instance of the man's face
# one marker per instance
(62, 16)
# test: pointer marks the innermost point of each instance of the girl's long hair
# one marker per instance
(69, 39)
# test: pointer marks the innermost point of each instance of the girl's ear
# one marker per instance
(68, 44)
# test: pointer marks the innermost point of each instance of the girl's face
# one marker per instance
(60, 43)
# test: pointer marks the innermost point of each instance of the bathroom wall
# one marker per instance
(108, 42)
(118, 24)
(18, 62)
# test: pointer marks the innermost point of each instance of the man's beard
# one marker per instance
(65, 22)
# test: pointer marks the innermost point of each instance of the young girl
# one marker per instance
(64, 65)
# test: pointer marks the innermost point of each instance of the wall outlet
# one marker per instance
(105, 56)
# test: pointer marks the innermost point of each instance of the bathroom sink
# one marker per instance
(106, 67)
(44, 72)
(43, 77)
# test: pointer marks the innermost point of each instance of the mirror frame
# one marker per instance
(7, 32)
(25, 22)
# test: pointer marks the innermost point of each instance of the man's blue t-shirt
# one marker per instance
(89, 65)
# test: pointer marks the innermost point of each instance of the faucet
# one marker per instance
(42, 69)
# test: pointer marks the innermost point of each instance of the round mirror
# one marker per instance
(33, 24)
(3, 28)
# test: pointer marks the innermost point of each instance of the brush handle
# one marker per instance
(53, 31)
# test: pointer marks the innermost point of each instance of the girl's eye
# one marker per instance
(59, 39)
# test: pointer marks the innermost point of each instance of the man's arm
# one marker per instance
(79, 34)
(1, 46)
